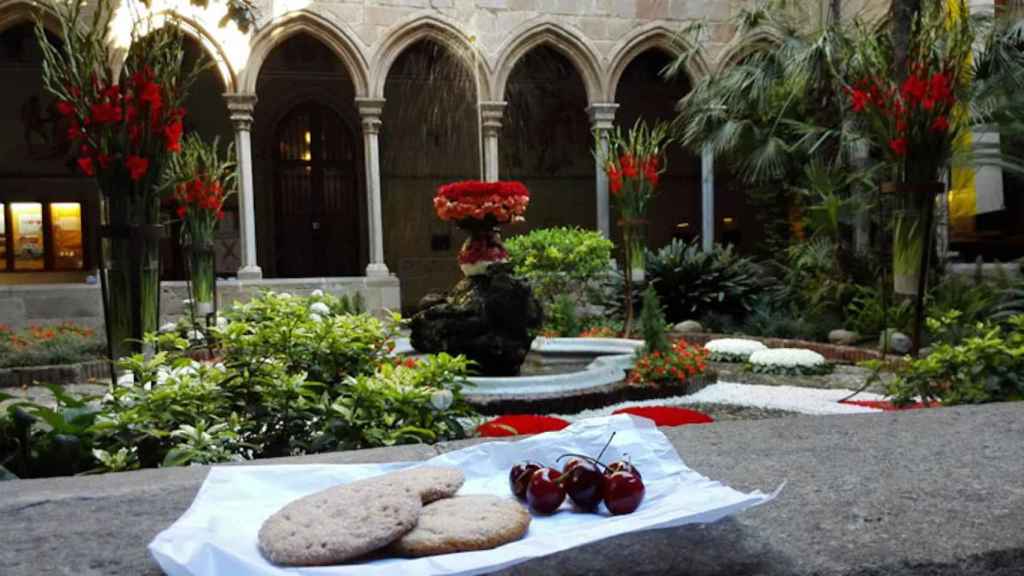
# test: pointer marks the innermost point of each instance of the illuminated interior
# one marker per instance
(66, 231)
(27, 234)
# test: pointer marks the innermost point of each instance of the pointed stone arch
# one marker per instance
(743, 45)
(213, 49)
(14, 12)
(656, 36)
(427, 27)
(337, 38)
(565, 40)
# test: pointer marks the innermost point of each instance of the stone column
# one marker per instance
(707, 202)
(602, 119)
(241, 106)
(370, 110)
(491, 114)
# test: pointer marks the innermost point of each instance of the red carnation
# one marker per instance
(137, 166)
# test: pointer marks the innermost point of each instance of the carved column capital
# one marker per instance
(240, 107)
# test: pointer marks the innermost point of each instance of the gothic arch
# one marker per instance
(14, 12)
(642, 39)
(570, 43)
(426, 27)
(337, 39)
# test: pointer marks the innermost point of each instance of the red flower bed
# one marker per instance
(889, 406)
(503, 201)
(668, 415)
(512, 425)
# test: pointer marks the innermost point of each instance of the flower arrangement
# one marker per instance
(200, 181)
(500, 202)
(733, 349)
(479, 208)
(676, 366)
(789, 361)
(634, 163)
(123, 124)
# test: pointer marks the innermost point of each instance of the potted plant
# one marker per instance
(124, 125)
(480, 208)
(200, 181)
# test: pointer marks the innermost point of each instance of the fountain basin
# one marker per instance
(602, 381)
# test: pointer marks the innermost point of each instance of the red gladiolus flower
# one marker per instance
(628, 165)
(104, 160)
(137, 166)
(651, 171)
(172, 136)
(860, 100)
(182, 211)
(914, 89)
(85, 165)
(64, 108)
(898, 146)
(74, 130)
(104, 113)
(940, 124)
(940, 89)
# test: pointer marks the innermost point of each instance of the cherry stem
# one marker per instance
(594, 461)
(606, 445)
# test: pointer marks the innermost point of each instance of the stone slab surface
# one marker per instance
(931, 492)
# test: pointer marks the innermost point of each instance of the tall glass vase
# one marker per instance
(911, 232)
(634, 237)
(203, 278)
(129, 269)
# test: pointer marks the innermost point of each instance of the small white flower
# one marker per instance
(787, 357)
(220, 367)
(285, 295)
(196, 335)
(169, 328)
(318, 293)
(126, 379)
(187, 302)
(733, 349)
(162, 374)
(441, 399)
(222, 322)
(316, 318)
(320, 308)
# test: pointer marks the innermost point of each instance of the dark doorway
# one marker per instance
(315, 186)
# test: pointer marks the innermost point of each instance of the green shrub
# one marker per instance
(985, 367)
(692, 283)
(652, 324)
(560, 261)
(288, 384)
(327, 346)
(868, 315)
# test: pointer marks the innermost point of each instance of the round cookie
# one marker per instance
(464, 523)
(339, 524)
(430, 482)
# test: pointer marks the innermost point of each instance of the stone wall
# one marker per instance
(39, 304)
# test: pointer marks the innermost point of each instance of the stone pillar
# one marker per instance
(707, 203)
(370, 110)
(602, 120)
(491, 114)
(241, 106)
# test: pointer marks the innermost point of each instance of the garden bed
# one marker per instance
(843, 376)
(76, 373)
(832, 352)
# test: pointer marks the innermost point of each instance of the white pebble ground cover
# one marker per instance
(816, 401)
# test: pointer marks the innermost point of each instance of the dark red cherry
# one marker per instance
(545, 492)
(519, 477)
(582, 483)
(622, 492)
(622, 466)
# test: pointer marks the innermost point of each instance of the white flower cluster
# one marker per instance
(733, 349)
(789, 361)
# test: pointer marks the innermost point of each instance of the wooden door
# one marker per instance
(317, 219)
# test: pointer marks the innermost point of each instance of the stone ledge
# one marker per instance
(933, 492)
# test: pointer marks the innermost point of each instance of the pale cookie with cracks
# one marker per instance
(430, 482)
(464, 523)
(339, 524)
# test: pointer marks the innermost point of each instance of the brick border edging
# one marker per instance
(78, 372)
(832, 352)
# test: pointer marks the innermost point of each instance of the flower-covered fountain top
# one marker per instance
(480, 208)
